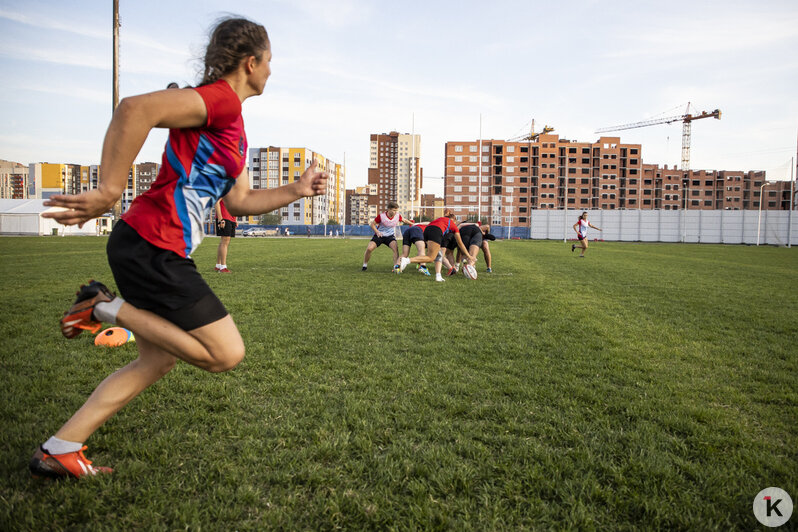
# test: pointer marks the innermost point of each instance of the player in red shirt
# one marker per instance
(433, 236)
(172, 311)
(225, 230)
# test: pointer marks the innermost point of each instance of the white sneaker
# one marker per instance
(440, 279)
(403, 262)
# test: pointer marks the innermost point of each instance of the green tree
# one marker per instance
(333, 221)
(271, 218)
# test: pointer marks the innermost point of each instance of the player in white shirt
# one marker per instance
(384, 227)
(581, 233)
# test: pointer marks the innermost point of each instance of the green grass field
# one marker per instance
(647, 386)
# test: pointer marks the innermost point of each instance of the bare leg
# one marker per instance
(117, 390)
(395, 248)
(215, 347)
(486, 252)
(221, 251)
(432, 252)
(371, 247)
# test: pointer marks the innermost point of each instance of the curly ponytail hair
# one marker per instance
(232, 40)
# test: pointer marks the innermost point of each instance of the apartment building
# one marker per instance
(274, 166)
(146, 173)
(357, 206)
(714, 189)
(13, 180)
(394, 173)
(503, 180)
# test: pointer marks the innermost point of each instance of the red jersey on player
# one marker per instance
(199, 166)
(445, 224)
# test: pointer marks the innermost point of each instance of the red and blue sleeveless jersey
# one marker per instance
(199, 167)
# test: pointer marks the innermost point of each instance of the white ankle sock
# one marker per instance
(107, 310)
(58, 446)
(218, 266)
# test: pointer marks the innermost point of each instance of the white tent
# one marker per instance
(24, 217)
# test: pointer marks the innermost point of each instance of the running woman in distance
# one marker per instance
(581, 233)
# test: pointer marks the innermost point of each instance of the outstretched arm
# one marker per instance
(243, 201)
(132, 121)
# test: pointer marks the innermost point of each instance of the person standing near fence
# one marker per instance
(226, 230)
(581, 233)
(167, 304)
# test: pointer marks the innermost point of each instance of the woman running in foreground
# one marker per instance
(167, 304)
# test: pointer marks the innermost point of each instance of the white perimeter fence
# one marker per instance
(716, 226)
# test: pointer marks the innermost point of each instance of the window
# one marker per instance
(458, 148)
(473, 148)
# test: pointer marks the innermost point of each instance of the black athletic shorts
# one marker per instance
(433, 234)
(383, 240)
(412, 235)
(229, 229)
(471, 235)
(161, 281)
(449, 242)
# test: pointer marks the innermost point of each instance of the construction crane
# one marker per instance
(532, 135)
(686, 119)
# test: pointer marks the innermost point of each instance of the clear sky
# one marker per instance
(343, 69)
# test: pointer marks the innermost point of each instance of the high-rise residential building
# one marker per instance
(145, 176)
(13, 180)
(275, 166)
(394, 172)
(357, 206)
(48, 179)
(502, 181)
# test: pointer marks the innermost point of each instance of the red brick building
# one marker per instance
(503, 180)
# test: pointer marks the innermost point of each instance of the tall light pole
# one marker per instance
(115, 97)
(761, 200)
(117, 208)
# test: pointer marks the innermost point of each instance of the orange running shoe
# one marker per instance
(57, 466)
(79, 316)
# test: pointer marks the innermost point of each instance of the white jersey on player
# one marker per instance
(583, 227)
(387, 226)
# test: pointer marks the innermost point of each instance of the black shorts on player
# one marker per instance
(229, 229)
(380, 240)
(433, 234)
(161, 281)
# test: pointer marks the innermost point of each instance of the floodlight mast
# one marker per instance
(686, 119)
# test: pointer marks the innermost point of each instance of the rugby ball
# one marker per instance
(469, 271)
(113, 337)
